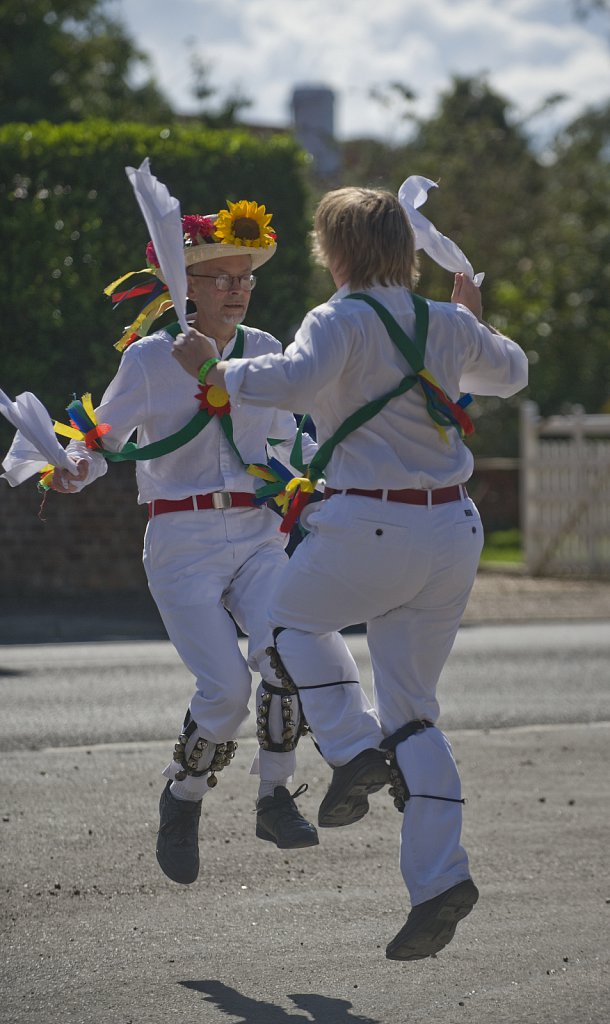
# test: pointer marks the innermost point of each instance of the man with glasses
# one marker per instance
(212, 552)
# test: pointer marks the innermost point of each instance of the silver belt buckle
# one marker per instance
(221, 499)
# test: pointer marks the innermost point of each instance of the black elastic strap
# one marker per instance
(449, 799)
(279, 691)
(321, 686)
(405, 731)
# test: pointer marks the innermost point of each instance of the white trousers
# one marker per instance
(200, 566)
(407, 571)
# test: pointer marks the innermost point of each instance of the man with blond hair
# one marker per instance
(397, 540)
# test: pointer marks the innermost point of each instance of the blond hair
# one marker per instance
(366, 234)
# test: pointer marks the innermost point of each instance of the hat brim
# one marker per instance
(215, 250)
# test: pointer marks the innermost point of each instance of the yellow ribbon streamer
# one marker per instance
(297, 483)
(119, 280)
(144, 319)
(73, 432)
(264, 474)
(88, 406)
(46, 479)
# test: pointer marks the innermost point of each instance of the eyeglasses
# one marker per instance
(224, 281)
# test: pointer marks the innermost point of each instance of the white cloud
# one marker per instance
(527, 49)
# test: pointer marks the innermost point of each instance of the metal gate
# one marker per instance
(565, 493)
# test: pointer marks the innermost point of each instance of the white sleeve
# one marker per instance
(97, 464)
(494, 365)
(291, 380)
(123, 408)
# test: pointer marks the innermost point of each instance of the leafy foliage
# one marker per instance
(538, 225)
(70, 225)
(66, 61)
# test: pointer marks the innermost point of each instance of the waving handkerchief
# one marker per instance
(161, 212)
(35, 445)
(411, 195)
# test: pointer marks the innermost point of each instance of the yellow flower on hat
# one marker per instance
(245, 223)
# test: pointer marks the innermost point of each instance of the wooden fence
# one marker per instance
(565, 493)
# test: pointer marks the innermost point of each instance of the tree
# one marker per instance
(571, 352)
(583, 8)
(66, 60)
(71, 225)
(223, 115)
(488, 203)
(539, 228)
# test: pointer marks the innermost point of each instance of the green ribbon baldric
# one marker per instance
(131, 452)
(413, 351)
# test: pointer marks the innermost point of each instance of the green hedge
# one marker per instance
(70, 225)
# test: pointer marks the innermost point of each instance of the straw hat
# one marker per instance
(241, 230)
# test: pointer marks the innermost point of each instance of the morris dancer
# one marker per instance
(211, 554)
(397, 540)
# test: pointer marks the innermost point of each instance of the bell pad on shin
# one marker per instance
(293, 722)
(399, 789)
(280, 669)
(198, 756)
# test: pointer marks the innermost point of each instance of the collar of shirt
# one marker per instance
(226, 352)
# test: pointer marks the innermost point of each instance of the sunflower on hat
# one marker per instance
(245, 223)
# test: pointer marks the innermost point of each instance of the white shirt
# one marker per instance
(152, 394)
(342, 357)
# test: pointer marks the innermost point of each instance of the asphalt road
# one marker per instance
(76, 694)
(93, 932)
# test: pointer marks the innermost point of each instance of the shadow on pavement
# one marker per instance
(321, 1009)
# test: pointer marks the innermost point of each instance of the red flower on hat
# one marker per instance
(197, 228)
(213, 399)
(151, 256)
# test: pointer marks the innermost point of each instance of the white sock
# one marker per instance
(190, 788)
(268, 788)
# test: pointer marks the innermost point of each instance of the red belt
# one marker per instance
(217, 500)
(408, 496)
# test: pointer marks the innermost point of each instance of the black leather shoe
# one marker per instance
(279, 821)
(346, 800)
(178, 839)
(431, 925)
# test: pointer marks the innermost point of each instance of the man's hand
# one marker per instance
(65, 482)
(467, 294)
(192, 350)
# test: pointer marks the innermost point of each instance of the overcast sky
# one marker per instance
(528, 49)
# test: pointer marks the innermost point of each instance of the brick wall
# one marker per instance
(494, 487)
(92, 542)
(89, 542)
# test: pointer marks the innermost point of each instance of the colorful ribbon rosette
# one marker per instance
(83, 427)
(213, 399)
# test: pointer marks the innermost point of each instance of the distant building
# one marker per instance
(313, 118)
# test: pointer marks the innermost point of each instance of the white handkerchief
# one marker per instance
(411, 195)
(161, 212)
(35, 444)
